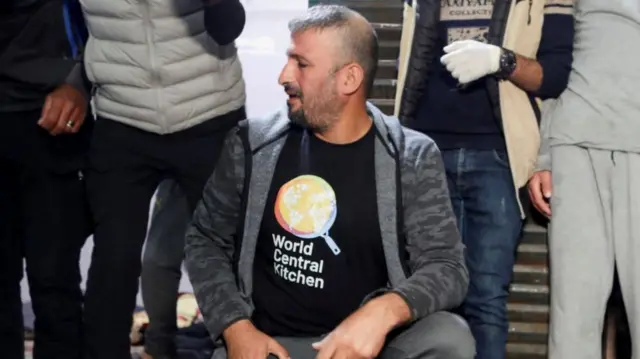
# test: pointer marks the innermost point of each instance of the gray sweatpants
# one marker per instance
(595, 225)
(440, 335)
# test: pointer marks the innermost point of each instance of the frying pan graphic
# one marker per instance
(306, 207)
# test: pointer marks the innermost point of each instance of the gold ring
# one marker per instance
(70, 124)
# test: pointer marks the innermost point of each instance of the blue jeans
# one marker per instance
(486, 207)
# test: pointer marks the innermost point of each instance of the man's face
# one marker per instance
(309, 79)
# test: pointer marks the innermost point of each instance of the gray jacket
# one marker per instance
(155, 67)
(422, 246)
(600, 107)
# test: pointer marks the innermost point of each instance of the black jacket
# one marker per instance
(41, 43)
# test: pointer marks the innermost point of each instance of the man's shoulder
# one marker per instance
(262, 129)
(416, 144)
(407, 141)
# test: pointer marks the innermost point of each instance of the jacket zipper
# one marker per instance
(530, 6)
(155, 75)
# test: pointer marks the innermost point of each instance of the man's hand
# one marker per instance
(245, 341)
(362, 335)
(64, 110)
(469, 60)
(540, 191)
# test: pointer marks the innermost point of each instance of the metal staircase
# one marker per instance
(528, 304)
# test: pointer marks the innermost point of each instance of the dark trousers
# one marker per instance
(440, 335)
(162, 266)
(485, 204)
(44, 220)
(126, 167)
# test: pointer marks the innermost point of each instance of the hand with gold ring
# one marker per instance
(64, 111)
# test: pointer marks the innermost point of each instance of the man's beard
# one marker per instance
(321, 112)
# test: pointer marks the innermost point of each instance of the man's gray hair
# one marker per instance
(359, 42)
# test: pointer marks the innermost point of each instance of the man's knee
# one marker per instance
(455, 340)
(440, 335)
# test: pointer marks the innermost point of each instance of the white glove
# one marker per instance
(469, 60)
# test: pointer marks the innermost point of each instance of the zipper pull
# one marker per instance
(530, 6)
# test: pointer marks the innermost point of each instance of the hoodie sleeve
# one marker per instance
(544, 153)
(210, 246)
(555, 53)
(224, 20)
(439, 277)
(78, 80)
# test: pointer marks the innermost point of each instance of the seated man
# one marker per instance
(336, 237)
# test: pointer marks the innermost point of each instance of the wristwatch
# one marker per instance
(508, 63)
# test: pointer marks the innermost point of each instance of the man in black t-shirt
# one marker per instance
(326, 230)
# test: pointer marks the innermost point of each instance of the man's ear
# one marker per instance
(351, 79)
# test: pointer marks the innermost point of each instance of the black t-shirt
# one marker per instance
(319, 250)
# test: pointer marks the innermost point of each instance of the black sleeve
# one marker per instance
(224, 20)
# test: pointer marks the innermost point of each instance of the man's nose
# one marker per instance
(285, 76)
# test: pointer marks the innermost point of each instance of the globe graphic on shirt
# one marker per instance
(306, 207)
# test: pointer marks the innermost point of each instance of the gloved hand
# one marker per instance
(469, 60)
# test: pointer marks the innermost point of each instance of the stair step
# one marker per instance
(531, 274)
(387, 69)
(377, 11)
(529, 293)
(528, 313)
(384, 88)
(388, 31)
(526, 351)
(532, 254)
(389, 50)
(534, 233)
(531, 333)
(384, 104)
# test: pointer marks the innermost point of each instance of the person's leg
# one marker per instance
(121, 181)
(491, 234)
(451, 160)
(56, 224)
(626, 236)
(197, 151)
(440, 335)
(160, 277)
(193, 154)
(11, 321)
(580, 251)
(298, 348)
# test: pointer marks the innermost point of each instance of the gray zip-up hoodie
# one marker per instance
(422, 246)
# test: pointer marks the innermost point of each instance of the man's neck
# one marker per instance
(351, 126)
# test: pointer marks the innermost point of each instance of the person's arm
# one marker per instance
(544, 153)
(65, 108)
(540, 186)
(210, 245)
(548, 76)
(544, 77)
(224, 20)
(439, 278)
(78, 80)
